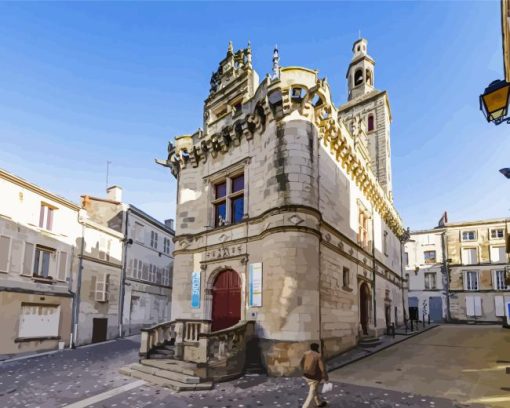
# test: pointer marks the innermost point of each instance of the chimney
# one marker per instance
(170, 223)
(114, 193)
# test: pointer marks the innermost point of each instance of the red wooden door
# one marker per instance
(226, 304)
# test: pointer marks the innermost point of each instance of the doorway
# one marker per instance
(364, 307)
(226, 300)
(99, 330)
(436, 309)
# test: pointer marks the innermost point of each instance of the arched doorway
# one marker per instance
(364, 307)
(226, 300)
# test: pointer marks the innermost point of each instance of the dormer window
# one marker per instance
(46, 216)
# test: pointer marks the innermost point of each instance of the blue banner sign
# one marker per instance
(195, 290)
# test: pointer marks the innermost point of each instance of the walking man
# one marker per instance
(313, 372)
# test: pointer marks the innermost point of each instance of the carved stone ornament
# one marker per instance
(295, 219)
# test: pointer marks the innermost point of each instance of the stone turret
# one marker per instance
(360, 75)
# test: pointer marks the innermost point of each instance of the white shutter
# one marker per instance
(470, 306)
(62, 266)
(465, 280)
(499, 305)
(38, 320)
(5, 249)
(498, 254)
(28, 259)
(478, 305)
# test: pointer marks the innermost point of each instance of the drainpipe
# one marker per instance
(76, 311)
(447, 275)
(122, 288)
(402, 243)
(321, 342)
(374, 273)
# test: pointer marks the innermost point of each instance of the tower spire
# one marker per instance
(276, 63)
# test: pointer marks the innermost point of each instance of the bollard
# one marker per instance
(393, 329)
(412, 329)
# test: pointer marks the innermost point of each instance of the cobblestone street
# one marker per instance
(72, 377)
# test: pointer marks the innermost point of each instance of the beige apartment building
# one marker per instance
(62, 274)
(478, 263)
(284, 211)
(38, 239)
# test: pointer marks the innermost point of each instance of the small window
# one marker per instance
(42, 261)
(229, 201)
(499, 280)
(46, 217)
(221, 190)
(406, 258)
(385, 243)
(469, 256)
(498, 254)
(469, 235)
(430, 280)
(430, 257)
(471, 280)
(370, 123)
(497, 233)
(369, 77)
(358, 77)
(154, 240)
(346, 275)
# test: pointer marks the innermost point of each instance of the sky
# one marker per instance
(86, 83)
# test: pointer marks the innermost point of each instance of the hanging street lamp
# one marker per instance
(494, 102)
(505, 172)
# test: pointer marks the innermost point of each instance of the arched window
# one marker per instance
(358, 77)
(370, 122)
(369, 77)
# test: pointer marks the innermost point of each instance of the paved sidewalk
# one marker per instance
(358, 353)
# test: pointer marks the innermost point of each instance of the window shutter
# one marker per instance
(465, 274)
(16, 256)
(28, 259)
(5, 244)
(478, 305)
(499, 306)
(62, 266)
(470, 306)
(93, 281)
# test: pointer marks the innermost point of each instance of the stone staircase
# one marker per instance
(369, 341)
(165, 372)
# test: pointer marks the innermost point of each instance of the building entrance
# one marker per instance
(226, 300)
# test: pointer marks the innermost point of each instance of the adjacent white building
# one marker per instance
(147, 262)
(426, 275)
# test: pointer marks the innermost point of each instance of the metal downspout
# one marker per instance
(123, 275)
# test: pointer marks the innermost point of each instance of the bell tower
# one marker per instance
(360, 75)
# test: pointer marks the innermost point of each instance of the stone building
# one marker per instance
(38, 240)
(284, 210)
(426, 274)
(61, 271)
(99, 270)
(147, 259)
(478, 263)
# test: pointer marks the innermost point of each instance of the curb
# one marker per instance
(406, 337)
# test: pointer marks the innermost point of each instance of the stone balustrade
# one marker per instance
(223, 352)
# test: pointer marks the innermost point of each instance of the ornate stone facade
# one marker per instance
(278, 181)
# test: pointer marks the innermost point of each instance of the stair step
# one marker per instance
(176, 366)
(163, 382)
(167, 374)
(164, 351)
